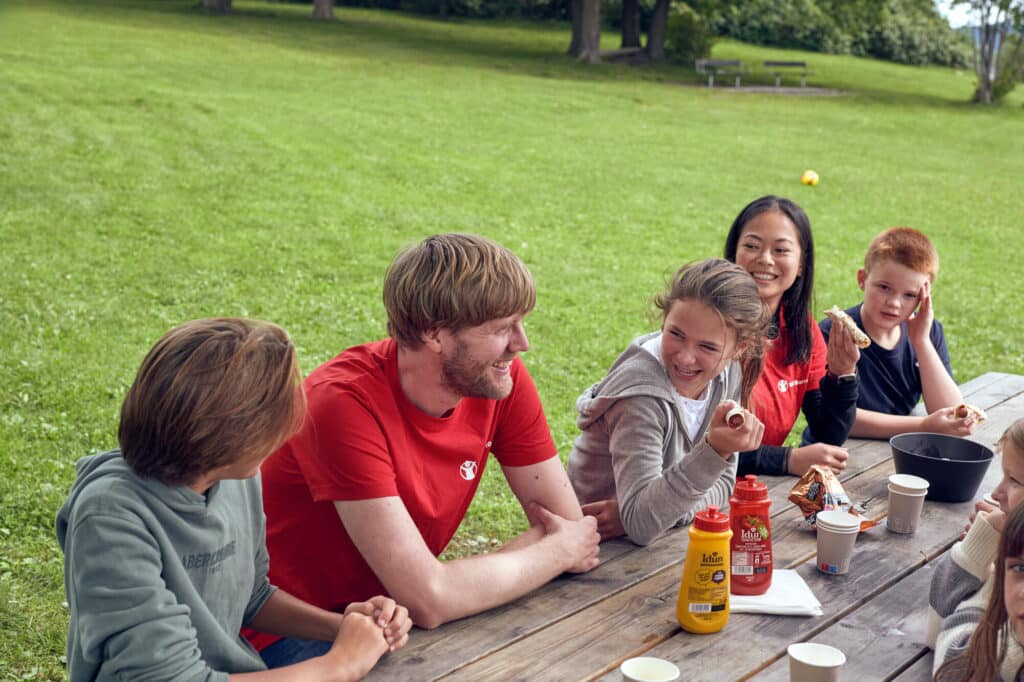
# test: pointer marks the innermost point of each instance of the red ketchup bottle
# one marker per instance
(751, 547)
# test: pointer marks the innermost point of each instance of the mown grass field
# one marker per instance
(159, 164)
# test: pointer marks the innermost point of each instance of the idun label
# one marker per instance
(703, 604)
(751, 546)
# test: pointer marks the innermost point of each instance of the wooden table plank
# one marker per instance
(887, 633)
(920, 671)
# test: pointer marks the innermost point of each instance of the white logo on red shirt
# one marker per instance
(786, 385)
(468, 470)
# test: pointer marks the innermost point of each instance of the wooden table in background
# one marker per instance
(582, 627)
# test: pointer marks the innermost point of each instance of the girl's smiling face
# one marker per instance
(696, 345)
(769, 249)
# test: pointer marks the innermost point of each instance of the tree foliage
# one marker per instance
(905, 31)
(997, 27)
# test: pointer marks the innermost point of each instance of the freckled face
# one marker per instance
(695, 346)
(891, 293)
(769, 249)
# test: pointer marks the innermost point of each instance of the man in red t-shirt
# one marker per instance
(367, 495)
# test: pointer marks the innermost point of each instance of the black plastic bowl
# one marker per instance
(953, 466)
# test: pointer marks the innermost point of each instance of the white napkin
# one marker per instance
(789, 595)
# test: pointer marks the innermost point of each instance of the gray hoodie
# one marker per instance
(634, 446)
(160, 580)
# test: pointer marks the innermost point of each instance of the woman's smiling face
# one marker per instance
(769, 249)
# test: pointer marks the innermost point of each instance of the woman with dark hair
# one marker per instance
(771, 239)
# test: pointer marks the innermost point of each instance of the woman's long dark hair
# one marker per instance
(795, 306)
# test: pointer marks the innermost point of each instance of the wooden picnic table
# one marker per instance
(582, 627)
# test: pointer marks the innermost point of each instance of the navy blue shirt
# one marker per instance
(890, 380)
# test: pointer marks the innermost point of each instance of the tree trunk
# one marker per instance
(323, 9)
(223, 6)
(586, 31)
(630, 23)
(576, 18)
(656, 34)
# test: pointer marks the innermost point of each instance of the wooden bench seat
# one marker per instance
(720, 67)
(780, 68)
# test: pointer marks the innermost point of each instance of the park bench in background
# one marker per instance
(720, 67)
(780, 68)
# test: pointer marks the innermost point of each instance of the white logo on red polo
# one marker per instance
(786, 385)
(468, 470)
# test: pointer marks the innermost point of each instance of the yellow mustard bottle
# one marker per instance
(703, 604)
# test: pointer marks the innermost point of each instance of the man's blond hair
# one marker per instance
(453, 281)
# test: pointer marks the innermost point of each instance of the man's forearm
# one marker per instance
(475, 584)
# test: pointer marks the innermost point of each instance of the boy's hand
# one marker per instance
(843, 353)
(919, 324)
(358, 646)
(944, 420)
(726, 440)
(394, 619)
(609, 523)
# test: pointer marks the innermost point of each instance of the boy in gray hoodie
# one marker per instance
(163, 540)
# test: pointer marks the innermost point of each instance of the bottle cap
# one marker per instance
(711, 520)
(749, 488)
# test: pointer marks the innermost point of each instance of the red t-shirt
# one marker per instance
(779, 392)
(363, 439)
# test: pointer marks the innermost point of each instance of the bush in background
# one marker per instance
(903, 31)
(687, 36)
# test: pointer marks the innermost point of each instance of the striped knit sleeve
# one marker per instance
(957, 628)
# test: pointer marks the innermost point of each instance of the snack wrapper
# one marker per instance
(820, 490)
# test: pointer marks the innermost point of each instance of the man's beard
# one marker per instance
(464, 377)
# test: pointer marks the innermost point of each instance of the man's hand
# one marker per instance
(944, 420)
(578, 541)
(609, 523)
(832, 456)
(726, 440)
(843, 353)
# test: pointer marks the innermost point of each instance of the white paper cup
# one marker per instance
(811, 662)
(837, 533)
(904, 510)
(905, 483)
(648, 669)
(987, 497)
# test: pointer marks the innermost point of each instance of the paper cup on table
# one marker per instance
(811, 662)
(905, 483)
(904, 510)
(648, 669)
(837, 532)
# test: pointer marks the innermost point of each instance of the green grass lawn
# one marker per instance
(159, 164)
